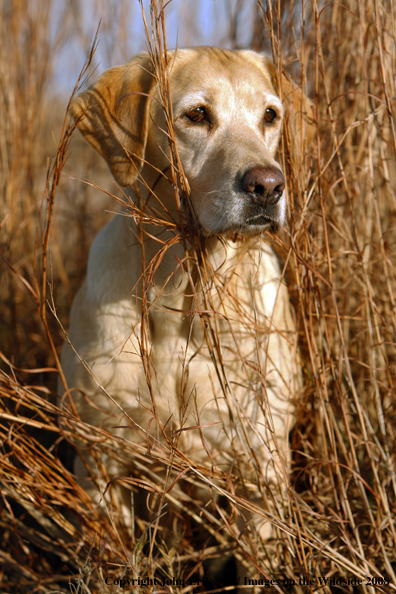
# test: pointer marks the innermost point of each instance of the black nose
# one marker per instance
(264, 184)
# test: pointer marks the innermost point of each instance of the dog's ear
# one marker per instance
(298, 109)
(113, 115)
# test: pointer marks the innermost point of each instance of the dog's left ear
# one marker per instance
(298, 109)
(113, 115)
(299, 113)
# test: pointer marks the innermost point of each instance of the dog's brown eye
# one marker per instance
(196, 115)
(269, 115)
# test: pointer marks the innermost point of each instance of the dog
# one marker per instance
(218, 367)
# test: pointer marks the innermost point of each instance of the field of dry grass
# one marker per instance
(339, 252)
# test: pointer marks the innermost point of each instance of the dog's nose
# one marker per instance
(264, 184)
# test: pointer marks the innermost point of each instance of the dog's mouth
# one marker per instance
(243, 219)
(262, 222)
(253, 225)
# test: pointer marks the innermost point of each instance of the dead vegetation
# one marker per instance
(339, 255)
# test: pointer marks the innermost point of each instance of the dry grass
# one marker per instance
(340, 256)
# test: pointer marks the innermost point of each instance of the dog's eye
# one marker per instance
(197, 115)
(269, 115)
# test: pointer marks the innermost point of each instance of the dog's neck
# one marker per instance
(166, 247)
(169, 253)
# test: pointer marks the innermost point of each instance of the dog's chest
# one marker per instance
(216, 328)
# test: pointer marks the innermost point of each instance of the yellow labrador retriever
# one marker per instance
(219, 361)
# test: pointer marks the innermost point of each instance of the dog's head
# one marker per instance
(227, 121)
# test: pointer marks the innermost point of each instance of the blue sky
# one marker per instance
(188, 22)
